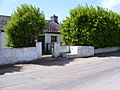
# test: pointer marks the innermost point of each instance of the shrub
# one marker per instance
(91, 26)
(24, 26)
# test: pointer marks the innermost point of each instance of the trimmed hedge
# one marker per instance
(97, 27)
(24, 26)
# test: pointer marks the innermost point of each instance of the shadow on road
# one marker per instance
(44, 61)
(49, 61)
(9, 69)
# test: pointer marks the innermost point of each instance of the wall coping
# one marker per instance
(107, 49)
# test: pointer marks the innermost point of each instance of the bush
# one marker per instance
(24, 26)
(97, 27)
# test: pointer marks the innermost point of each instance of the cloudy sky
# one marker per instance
(58, 7)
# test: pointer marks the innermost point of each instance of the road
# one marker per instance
(93, 73)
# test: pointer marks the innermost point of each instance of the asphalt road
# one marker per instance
(93, 73)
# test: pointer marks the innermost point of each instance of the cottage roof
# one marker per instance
(3, 21)
(51, 26)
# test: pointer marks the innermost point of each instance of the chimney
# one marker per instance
(54, 18)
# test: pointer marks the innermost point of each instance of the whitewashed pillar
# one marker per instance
(56, 49)
(0, 38)
(3, 40)
(39, 50)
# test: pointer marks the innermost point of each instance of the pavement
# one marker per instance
(100, 72)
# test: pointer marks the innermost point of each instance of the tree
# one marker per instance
(24, 26)
(97, 27)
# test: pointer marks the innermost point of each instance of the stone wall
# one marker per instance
(58, 49)
(81, 51)
(72, 51)
(108, 49)
(14, 55)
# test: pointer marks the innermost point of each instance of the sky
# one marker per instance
(60, 8)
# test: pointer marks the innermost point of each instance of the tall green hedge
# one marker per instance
(24, 26)
(91, 26)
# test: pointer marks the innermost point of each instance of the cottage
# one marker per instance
(51, 33)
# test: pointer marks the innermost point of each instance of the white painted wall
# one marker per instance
(108, 49)
(64, 49)
(82, 51)
(48, 38)
(74, 51)
(59, 49)
(14, 55)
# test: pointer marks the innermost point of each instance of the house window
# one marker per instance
(53, 38)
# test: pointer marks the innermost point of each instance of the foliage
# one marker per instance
(24, 26)
(91, 26)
